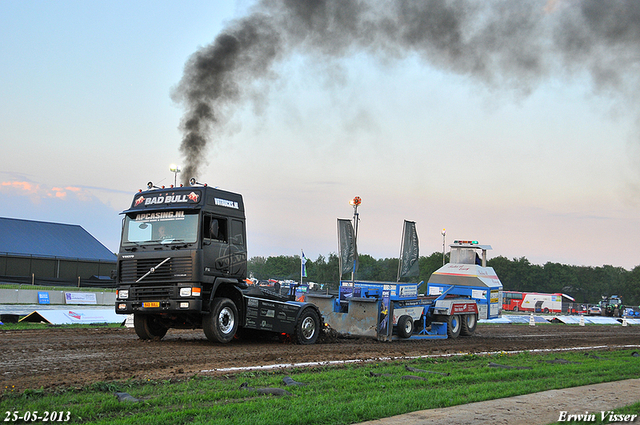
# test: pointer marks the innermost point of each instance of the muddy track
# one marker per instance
(74, 357)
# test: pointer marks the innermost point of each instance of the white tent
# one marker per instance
(71, 316)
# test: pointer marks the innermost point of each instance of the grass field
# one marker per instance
(331, 395)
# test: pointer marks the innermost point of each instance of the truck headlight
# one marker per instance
(189, 292)
(123, 294)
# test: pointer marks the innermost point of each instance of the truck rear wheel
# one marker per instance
(148, 327)
(221, 323)
(405, 326)
(454, 325)
(308, 327)
(469, 324)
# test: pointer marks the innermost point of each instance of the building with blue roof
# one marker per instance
(47, 252)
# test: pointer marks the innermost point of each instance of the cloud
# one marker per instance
(30, 200)
(36, 192)
(23, 186)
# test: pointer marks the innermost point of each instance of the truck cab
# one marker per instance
(182, 263)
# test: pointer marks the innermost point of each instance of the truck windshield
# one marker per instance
(163, 227)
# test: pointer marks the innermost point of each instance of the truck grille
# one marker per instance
(152, 293)
(174, 270)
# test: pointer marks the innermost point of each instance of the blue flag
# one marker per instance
(303, 270)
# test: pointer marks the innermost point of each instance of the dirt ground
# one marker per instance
(73, 357)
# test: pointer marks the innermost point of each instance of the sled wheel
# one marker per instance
(405, 326)
(221, 323)
(469, 324)
(454, 324)
(148, 326)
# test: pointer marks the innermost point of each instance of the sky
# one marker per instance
(544, 166)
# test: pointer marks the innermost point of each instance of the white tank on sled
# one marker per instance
(467, 274)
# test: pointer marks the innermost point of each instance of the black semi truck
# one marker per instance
(183, 264)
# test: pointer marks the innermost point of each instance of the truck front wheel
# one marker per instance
(221, 323)
(148, 326)
(308, 327)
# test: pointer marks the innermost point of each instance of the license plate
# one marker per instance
(151, 304)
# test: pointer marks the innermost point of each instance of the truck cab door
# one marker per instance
(238, 249)
(215, 245)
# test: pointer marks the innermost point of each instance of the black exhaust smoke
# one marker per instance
(512, 44)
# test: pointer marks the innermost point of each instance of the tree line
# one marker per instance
(586, 284)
